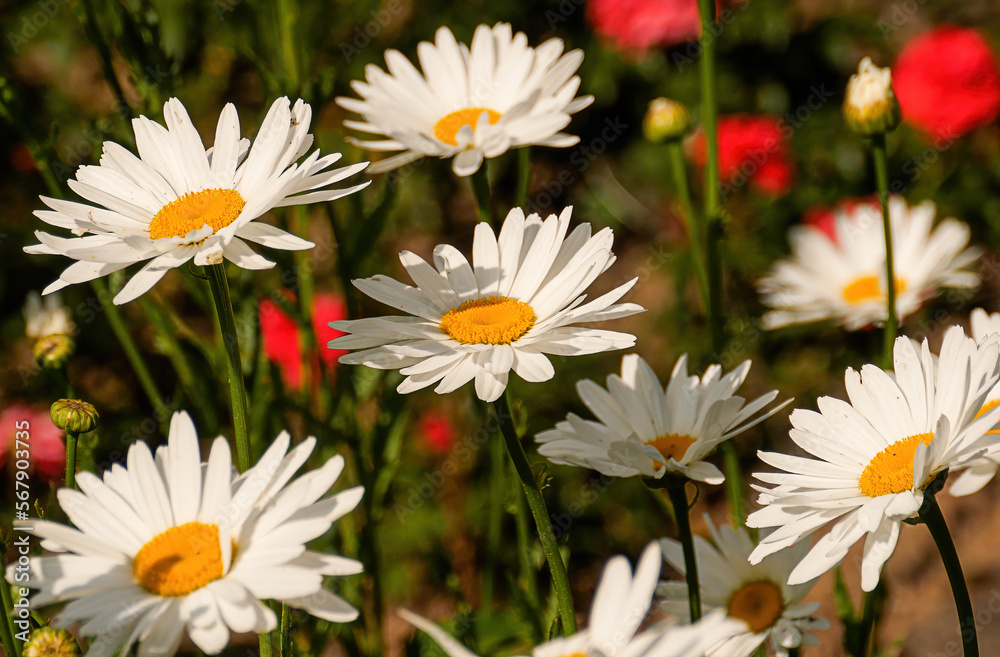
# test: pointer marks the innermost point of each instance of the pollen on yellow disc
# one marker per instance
(988, 406)
(180, 560)
(867, 288)
(758, 604)
(447, 128)
(891, 470)
(488, 320)
(216, 207)
(672, 446)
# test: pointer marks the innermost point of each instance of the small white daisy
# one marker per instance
(620, 604)
(515, 303)
(981, 471)
(758, 596)
(877, 454)
(169, 544)
(644, 429)
(842, 278)
(469, 103)
(177, 201)
(45, 317)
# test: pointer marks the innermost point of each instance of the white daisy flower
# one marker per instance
(644, 429)
(469, 103)
(843, 278)
(985, 468)
(179, 201)
(515, 303)
(45, 317)
(876, 455)
(621, 602)
(759, 597)
(169, 544)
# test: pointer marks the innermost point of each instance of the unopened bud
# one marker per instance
(53, 351)
(49, 642)
(666, 120)
(74, 416)
(870, 106)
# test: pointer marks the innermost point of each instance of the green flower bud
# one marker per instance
(666, 120)
(49, 642)
(53, 351)
(74, 415)
(870, 106)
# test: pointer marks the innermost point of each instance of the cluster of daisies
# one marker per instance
(169, 545)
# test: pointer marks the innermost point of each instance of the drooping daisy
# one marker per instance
(45, 317)
(469, 102)
(169, 544)
(515, 303)
(644, 429)
(620, 604)
(843, 278)
(758, 596)
(876, 455)
(983, 469)
(177, 201)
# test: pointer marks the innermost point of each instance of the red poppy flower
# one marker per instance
(436, 432)
(824, 218)
(751, 148)
(643, 24)
(947, 82)
(47, 457)
(281, 337)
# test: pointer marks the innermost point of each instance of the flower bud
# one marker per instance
(53, 351)
(870, 106)
(74, 416)
(49, 642)
(665, 120)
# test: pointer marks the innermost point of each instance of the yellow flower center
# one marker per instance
(488, 320)
(868, 288)
(891, 470)
(758, 604)
(987, 407)
(447, 128)
(180, 560)
(216, 207)
(672, 446)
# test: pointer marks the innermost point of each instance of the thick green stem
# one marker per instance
(882, 185)
(8, 635)
(481, 188)
(734, 484)
(234, 366)
(264, 641)
(678, 171)
(71, 440)
(285, 644)
(494, 521)
(543, 524)
(131, 351)
(523, 176)
(930, 513)
(675, 486)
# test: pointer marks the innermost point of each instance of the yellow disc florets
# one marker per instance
(672, 446)
(180, 560)
(891, 470)
(488, 320)
(216, 207)
(758, 604)
(447, 128)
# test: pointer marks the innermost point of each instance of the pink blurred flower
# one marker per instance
(947, 82)
(638, 25)
(281, 339)
(45, 441)
(436, 431)
(751, 148)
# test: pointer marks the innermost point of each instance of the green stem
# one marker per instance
(675, 486)
(930, 513)
(481, 188)
(288, 17)
(71, 440)
(734, 484)
(234, 366)
(523, 176)
(543, 524)
(7, 633)
(678, 170)
(93, 30)
(494, 520)
(264, 641)
(131, 351)
(867, 641)
(285, 644)
(524, 553)
(882, 185)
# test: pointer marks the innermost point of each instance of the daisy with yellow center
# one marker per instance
(756, 596)
(469, 102)
(179, 201)
(876, 455)
(645, 429)
(839, 274)
(621, 603)
(517, 301)
(169, 544)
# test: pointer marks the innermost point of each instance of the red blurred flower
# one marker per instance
(642, 24)
(947, 82)
(281, 338)
(825, 218)
(436, 432)
(45, 441)
(750, 148)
